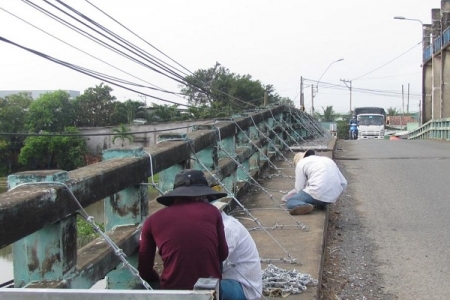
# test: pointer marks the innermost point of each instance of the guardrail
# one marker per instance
(38, 213)
(433, 129)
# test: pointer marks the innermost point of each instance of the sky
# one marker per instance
(276, 42)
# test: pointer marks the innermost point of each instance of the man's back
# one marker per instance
(244, 257)
(191, 241)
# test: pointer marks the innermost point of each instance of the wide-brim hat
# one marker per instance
(190, 183)
(299, 156)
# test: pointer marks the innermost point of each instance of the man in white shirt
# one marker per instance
(318, 182)
(241, 275)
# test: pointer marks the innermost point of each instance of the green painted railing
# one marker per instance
(433, 129)
(38, 214)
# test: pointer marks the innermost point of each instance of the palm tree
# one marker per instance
(328, 114)
(122, 133)
(391, 111)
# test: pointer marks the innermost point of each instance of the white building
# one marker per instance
(37, 93)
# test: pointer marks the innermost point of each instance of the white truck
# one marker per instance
(371, 121)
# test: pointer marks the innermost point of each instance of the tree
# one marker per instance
(328, 114)
(126, 112)
(286, 101)
(122, 133)
(94, 107)
(51, 112)
(4, 157)
(392, 111)
(225, 92)
(14, 110)
(165, 113)
(47, 152)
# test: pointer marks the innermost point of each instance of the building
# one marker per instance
(36, 93)
(436, 64)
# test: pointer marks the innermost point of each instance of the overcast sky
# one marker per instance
(276, 42)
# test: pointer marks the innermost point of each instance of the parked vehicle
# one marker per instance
(371, 121)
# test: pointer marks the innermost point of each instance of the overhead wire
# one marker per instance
(140, 50)
(81, 50)
(95, 39)
(201, 88)
(122, 40)
(132, 32)
(389, 93)
(83, 70)
(387, 62)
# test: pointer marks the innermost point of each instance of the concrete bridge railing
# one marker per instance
(38, 215)
(433, 129)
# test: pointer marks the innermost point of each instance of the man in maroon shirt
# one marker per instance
(188, 233)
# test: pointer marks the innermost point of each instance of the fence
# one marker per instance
(38, 213)
(433, 129)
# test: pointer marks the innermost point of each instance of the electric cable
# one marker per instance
(99, 59)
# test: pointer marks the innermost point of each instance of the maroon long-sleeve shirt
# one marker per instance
(191, 241)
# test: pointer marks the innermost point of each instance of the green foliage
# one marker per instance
(85, 230)
(391, 111)
(122, 133)
(342, 129)
(36, 153)
(50, 112)
(126, 112)
(328, 114)
(4, 156)
(94, 107)
(46, 152)
(14, 109)
(224, 92)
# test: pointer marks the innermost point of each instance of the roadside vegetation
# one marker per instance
(43, 133)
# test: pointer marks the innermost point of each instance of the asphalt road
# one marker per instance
(401, 191)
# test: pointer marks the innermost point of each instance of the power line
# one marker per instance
(138, 36)
(388, 61)
(84, 70)
(362, 90)
(105, 62)
(89, 36)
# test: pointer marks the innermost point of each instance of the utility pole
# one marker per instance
(312, 100)
(407, 103)
(302, 96)
(403, 109)
(265, 98)
(350, 87)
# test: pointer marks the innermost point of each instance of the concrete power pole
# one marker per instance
(350, 88)
(407, 102)
(302, 96)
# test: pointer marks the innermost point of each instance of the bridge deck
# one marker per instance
(283, 240)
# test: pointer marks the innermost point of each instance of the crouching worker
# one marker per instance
(241, 276)
(318, 182)
(188, 234)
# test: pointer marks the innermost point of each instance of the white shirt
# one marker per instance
(243, 254)
(320, 177)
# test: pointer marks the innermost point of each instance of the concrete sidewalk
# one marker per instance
(284, 237)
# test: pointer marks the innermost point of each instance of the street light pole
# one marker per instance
(407, 19)
(423, 32)
(317, 84)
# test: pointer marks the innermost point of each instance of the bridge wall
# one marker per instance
(38, 213)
